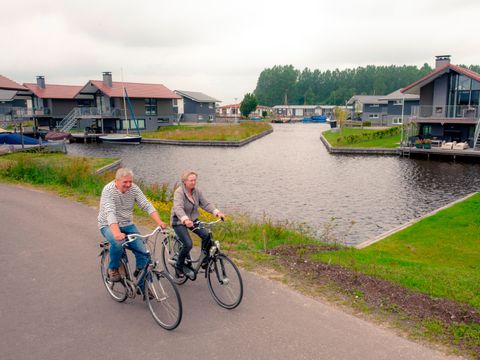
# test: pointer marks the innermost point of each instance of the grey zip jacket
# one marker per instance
(186, 207)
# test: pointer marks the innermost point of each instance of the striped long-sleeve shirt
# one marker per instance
(117, 207)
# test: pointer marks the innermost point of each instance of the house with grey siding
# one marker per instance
(196, 106)
(52, 102)
(369, 108)
(14, 99)
(147, 106)
(449, 103)
(399, 107)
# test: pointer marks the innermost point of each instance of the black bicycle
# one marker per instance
(161, 293)
(224, 279)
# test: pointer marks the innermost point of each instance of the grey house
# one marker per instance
(369, 108)
(196, 106)
(14, 99)
(449, 103)
(153, 105)
(51, 102)
(399, 106)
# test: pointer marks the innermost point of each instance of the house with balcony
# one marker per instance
(146, 106)
(51, 103)
(399, 107)
(196, 106)
(13, 97)
(448, 109)
(372, 108)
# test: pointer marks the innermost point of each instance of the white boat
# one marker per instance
(121, 139)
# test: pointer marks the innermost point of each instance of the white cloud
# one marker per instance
(220, 47)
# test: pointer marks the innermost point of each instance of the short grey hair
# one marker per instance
(122, 172)
(186, 174)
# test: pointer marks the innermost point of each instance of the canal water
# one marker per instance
(288, 176)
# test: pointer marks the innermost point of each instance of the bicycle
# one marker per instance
(162, 296)
(224, 280)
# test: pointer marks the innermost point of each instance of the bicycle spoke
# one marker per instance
(165, 306)
(224, 282)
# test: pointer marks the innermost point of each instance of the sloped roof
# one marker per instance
(414, 88)
(6, 83)
(197, 96)
(54, 91)
(7, 95)
(134, 90)
(367, 99)
(398, 95)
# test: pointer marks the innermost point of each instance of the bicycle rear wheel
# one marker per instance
(170, 249)
(116, 290)
(164, 300)
(225, 282)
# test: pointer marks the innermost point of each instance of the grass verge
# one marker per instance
(210, 132)
(364, 138)
(423, 280)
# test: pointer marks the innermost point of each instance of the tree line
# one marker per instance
(286, 85)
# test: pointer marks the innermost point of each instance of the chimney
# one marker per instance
(41, 81)
(441, 60)
(107, 78)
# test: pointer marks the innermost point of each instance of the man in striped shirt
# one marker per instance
(115, 218)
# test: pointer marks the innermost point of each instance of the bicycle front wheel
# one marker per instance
(225, 282)
(170, 249)
(116, 290)
(164, 300)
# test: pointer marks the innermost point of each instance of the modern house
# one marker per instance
(52, 102)
(230, 110)
(152, 105)
(301, 111)
(449, 103)
(369, 108)
(196, 106)
(399, 107)
(13, 97)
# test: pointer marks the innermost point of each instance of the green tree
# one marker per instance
(248, 104)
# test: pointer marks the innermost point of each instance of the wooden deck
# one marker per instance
(439, 152)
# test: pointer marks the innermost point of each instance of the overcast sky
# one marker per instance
(219, 47)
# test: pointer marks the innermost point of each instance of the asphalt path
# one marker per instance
(53, 304)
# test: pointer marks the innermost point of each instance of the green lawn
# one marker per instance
(439, 255)
(341, 139)
(212, 132)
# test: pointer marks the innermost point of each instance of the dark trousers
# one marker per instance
(186, 240)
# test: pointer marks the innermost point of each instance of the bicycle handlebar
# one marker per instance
(203, 224)
(133, 237)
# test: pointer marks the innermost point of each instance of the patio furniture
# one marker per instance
(461, 146)
(448, 145)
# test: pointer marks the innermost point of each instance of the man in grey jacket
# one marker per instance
(186, 201)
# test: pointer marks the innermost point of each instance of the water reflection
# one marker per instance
(290, 176)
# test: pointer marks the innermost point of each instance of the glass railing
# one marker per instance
(446, 111)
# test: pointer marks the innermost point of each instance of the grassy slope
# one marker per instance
(439, 255)
(213, 132)
(386, 142)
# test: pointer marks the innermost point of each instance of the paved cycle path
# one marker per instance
(53, 304)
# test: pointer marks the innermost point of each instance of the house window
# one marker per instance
(374, 105)
(210, 105)
(140, 123)
(397, 121)
(175, 102)
(150, 106)
(373, 116)
(427, 130)
(398, 102)
(163, 120)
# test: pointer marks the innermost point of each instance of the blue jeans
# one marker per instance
(116, 248)
(184, 237)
